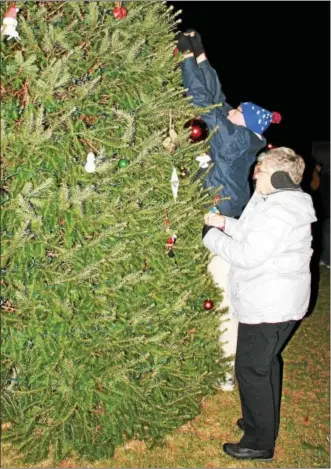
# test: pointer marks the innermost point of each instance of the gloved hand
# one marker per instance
(196, 42)
(184, 43)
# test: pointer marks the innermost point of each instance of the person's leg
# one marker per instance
(228, 339)
(219, 269)
(210, 75)
(257, 348)
(277, 370)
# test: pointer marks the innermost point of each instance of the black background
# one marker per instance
(276, 54)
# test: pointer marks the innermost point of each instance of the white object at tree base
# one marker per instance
(90, 164)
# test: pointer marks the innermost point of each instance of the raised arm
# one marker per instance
(263, 238)
(213, 84)
(195, 83)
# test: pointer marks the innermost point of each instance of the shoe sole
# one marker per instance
(249, 458)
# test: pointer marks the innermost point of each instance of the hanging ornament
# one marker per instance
(172, 239)
(203, 160)
(177, 53)
(170, 244)
(90, 163)
(167, 223)
(183, 172)
(123, 163)
(170, 143)
(216, 201)
(208, 305)
(174, 183)
(9, 23)
(199, 130)
(124, 12)
(119, 12)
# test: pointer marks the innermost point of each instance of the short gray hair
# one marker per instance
(285, 159)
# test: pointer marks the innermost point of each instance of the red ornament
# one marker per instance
(199, 130)
(276, 118)
(208, 305)
(119, 12)
(217, 199)
(270, 146)
(124, 12)
(170, 243)
(196, 132)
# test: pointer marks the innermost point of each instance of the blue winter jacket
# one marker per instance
(233, 148)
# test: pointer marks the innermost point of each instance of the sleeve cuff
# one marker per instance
(213, 239)
(230, 225)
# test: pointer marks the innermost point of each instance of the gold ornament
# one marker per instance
(170, 143)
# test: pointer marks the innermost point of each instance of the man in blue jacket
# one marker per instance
(233, 150)
(238, 138)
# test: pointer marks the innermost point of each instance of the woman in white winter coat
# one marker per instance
(269, 250)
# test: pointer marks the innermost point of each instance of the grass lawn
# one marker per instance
(304, 439)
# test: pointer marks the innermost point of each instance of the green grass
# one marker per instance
(304, 439)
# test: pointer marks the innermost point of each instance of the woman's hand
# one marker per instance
(213, 219)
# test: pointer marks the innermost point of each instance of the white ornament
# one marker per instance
(174, 183)
(203, 160)
(9, 24)
(90, 163)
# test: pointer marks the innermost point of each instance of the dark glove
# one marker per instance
(196, 42)
(184, 43)
(205, 230)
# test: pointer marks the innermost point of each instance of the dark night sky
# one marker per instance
(274, 53)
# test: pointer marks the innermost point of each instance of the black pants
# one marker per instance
(258, 373)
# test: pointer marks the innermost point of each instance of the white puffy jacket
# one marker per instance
(269, 249)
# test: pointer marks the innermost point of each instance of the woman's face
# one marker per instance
(262, 175)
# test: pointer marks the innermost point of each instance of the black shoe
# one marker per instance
(241, 424)
(236, 451)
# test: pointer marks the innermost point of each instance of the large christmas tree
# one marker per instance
(104, 332)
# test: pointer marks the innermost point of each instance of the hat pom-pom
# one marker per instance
(276, 118)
